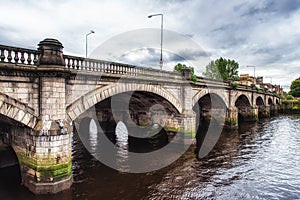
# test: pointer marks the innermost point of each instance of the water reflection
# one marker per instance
(122, 146)
(260, 161)
(93, 136)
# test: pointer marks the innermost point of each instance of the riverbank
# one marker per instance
(290, 106)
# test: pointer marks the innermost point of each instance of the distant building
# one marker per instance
(259, 80)
(245, 79)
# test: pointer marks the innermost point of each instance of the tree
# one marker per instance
(222, 69)
(295, 88)
(179, 67)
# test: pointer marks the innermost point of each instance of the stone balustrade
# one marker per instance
(18, 55)
(87, 64)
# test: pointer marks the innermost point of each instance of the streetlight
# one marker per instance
(86, 43)
(253, 68)
(269, 77)
(161, 37)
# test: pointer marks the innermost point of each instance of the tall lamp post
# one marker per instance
(270, 78)
(161, 37)
(86, 42)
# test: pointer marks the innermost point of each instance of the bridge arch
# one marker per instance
(261, 106)
(259, 101)
(244, 108)
(216, 93)
(85, 102)
(270, 101)
(277, 101)
(17, 111)
(242, 101)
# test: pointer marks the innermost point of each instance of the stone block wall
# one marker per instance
(45, 160)
(53, 97)
(22, 89)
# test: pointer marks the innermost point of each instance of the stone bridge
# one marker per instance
(43, 93)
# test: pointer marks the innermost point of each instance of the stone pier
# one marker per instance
(45, 152)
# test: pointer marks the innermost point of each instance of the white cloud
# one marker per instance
(260, 32)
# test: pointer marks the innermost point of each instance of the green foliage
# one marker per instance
(179, 67)
(234, 85)
(295, 88)
(289, 97)
(222, 69)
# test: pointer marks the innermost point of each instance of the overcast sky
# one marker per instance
(260, 33)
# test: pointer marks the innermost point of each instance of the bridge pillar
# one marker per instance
(46, 156)
(264, 113)
(188, 116)
(250, 114)
(231, 121)
(273, 110)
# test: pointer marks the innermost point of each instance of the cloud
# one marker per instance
(263, 33)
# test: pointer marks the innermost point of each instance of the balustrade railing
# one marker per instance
(18, 55)
(87, 64)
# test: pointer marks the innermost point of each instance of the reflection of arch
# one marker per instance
(17, 111)
(85, 102)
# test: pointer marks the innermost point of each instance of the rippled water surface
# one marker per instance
(260, 161)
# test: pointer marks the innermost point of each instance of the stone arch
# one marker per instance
(237, 94)
(17, 111)
(242, 100)
(220, 93)
(270, 101)
(259, 101)
(212, 100)
(11, 159)
(87, 101)
(244, 108)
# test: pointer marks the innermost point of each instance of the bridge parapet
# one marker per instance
(18, 55)
(101, 66)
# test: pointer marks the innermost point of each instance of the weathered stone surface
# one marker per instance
(44, 96)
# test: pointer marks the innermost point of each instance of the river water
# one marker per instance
(259, 161)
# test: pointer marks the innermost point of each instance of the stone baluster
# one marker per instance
(35, 58)
(68, 62)
(22, 57)
(2, 56)
(72, 63)
(29, 58)
(16, 58)
(9, 57)
(80, 64)
(102, 67)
